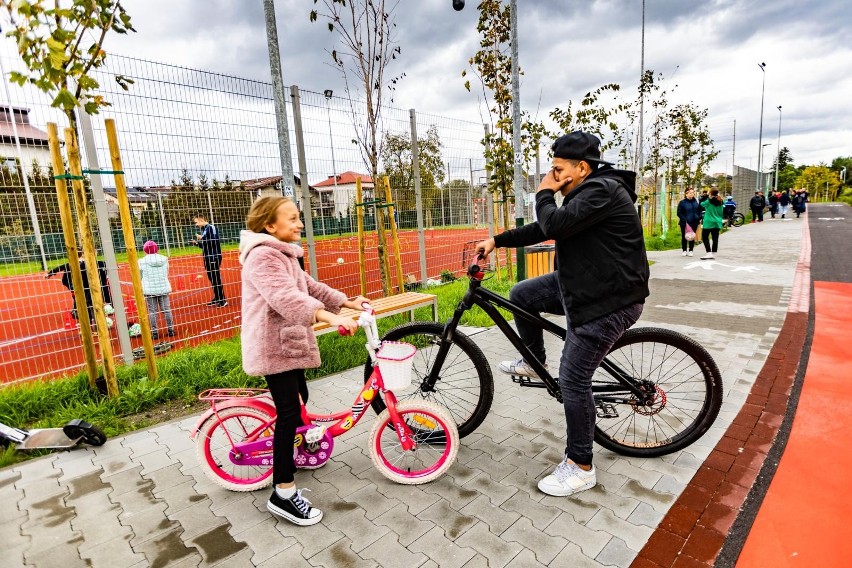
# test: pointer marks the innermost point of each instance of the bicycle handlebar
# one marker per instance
(474, 270)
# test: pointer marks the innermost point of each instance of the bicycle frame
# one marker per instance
(489, 301)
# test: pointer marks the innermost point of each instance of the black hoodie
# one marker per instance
(600, 248)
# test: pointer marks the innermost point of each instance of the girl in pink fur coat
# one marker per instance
(280, 304)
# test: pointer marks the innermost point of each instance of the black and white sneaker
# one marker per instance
(296, 509)
(221, 304)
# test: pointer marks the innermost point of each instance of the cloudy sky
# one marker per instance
(709, 49)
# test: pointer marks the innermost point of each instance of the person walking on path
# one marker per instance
(773, 203)
(211, 252)
(784, 202)
(689, 216)
(713, 210)
(280, 303)
(156, 287)
(757, 203)
(68, 282)
(600, 285)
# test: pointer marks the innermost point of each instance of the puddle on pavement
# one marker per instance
(88, 483)
(460, 523)
(218, 544)
(342, 506)
(342, 557)
(57, 512)
(170, 548)
(146, 489)
(643, 493)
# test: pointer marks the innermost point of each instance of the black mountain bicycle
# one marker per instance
(657, 391)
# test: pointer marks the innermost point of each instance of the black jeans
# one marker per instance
(585, 347)
(211, 265)
(757, 213)
(714, 235)
(285, 389)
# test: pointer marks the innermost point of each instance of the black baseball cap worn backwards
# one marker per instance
(579, 146)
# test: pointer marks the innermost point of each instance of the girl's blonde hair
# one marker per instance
(264, 211)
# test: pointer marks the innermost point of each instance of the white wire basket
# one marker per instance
(395, 361)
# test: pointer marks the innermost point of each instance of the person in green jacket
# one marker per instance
(712, 222)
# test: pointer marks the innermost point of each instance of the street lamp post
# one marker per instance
(762, 148)
(778, 158)
(760, 136)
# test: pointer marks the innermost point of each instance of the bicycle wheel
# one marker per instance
(435, 434)
(465, 386)
(738, 219)
(684, 394)
(213, 444)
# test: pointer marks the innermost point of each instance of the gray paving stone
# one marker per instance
(313, 539)
(407, 527)
(344, 480)
(453, 523)
(149, 524)
(153, 461)
(167, 549)
(125, 481)
(55, 556)
(443, 551)
(238, 560)
(495, 491)
(546, 547)
(498, 552)
(660, 500)
(461, 474)
(669, 484)
(340, 554)
(116, 551)
(414, 497)
(447, 489)
(590, 541)
(634, 535)
(265, 540)
(645, 514)
(100, 529)
(371, 500)
(196, 519)
(388, 552)
(498, 520)
(166, 478)
(572, 557)
(291, 558)
(616, 553)
(495, 469)
(361, 532)
(179, 497)
(540, 515)
(76, 468)
(622, 506)
(525, 559)
(495, 451)
(477, 561)
(141, 443)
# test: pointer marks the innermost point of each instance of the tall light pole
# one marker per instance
(778, 157)
(760, 159)
(518, 185)
(640, 157)
(760, 137)
(328, 93)
(281, 122)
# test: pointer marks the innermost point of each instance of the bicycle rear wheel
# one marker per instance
(738, 219)
(465, 386)
(684, 394)
(213, 445)
(436, 437)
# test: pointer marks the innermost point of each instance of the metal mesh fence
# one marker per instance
(195, 142)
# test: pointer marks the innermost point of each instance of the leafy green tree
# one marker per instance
(398, 165)
(822, 182)
(61, 43)
(691, 144)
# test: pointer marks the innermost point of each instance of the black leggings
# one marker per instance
(714, 235)
(285, 389)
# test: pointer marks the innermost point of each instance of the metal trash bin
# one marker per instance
(539, 259)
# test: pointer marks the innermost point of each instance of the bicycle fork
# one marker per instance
(402, 430)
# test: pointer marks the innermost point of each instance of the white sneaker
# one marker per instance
(689, 253)
(568, 479)
(707, 256)
(519, 367)
(683, 253)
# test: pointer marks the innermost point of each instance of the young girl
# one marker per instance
(154, 268)
(280, 303)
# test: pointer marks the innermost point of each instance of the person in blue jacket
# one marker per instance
(688, 213)
(211, 252)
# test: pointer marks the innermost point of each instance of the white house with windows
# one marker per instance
(336, 197)
(34, 145)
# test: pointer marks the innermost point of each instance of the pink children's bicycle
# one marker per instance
(411, 442)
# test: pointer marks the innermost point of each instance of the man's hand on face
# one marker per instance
(550, 183)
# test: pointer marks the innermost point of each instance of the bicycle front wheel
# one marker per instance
(465, 386)
(683, 394)
(436, 441)
(213, 445)
(738, 219)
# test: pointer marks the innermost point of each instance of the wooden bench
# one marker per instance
(392, 305)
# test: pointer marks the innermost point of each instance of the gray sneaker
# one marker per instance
(518, 367)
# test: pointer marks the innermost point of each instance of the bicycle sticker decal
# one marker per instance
(358, 409)
(298, 441)
(347, 424)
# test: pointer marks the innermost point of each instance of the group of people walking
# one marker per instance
(709, 212)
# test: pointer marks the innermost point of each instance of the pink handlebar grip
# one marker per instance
(342, 330)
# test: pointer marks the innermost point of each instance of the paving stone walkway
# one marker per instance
(142, 500)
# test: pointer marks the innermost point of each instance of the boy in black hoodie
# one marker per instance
(600, 284)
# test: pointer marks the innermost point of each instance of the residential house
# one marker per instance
(336, 197)
(34, 145)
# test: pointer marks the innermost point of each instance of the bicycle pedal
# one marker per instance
(606, 410)
(525, 381)
(315, 434)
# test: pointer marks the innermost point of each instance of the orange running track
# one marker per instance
(801, 521)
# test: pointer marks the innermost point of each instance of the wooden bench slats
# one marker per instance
(391, 305)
